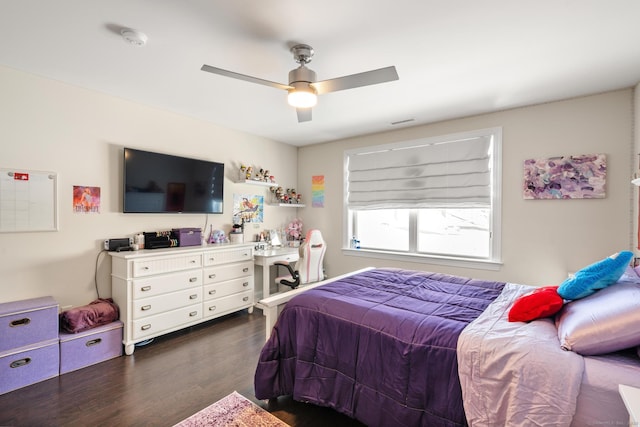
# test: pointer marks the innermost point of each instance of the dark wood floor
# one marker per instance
(161, 383)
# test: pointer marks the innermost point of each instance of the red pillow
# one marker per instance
(542, 302)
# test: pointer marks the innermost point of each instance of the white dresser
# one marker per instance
(163, 290)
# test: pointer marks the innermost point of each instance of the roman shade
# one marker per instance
(421, 175)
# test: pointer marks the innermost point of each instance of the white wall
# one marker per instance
(542, 240)
(51, 126)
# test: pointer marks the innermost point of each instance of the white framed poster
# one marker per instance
(28, 200)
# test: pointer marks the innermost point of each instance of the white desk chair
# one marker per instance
(309, 268)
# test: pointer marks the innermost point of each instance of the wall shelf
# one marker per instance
(288, 205)
(259, 183)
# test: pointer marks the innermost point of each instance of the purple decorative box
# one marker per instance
(27, 322)
(187, 236)
(28, 365)
(90, 347)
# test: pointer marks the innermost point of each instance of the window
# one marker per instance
(433, 198)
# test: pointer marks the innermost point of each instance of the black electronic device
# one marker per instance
(163, 183)
(112, 245)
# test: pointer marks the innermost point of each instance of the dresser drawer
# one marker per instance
(27, 322)
(154, 325)
(222, 289)
(152, 286)
(29, 365)
(166, 302)
(157, 265)
(228, 304)
(228, 272)
(231, 255)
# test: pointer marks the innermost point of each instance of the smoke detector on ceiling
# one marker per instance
(134, 37)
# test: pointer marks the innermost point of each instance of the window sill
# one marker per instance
(425, 259)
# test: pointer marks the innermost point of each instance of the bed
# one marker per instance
(392, 347)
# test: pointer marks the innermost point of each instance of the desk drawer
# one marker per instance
(157, 265)
(290, 258)
(152, 286)
(222, 289)
(171, 320)
(223, 257)
(228, 272)
(155, 305)
(228, 304)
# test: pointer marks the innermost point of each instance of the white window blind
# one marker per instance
(422, 175)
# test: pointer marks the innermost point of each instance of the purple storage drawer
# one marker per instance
(28, 322)
(187, 236)
(24, 366)
(90, 347)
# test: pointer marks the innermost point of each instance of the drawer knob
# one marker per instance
(145, 288)
(245, 284)
(194, 296)
(193, 279)
(212, 276)
(193, 313)
(193, 261)
(145, 327)
(145, 268)
(245, 299)
(20, 322)
(212, 292)
(244, 270)
(212, 259)
(212, 308)
(145, 307)
(21, 362)
(93, 342)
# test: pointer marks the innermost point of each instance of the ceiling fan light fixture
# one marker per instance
(302, 95)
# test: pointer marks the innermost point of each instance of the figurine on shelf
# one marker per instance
(291, 195)
(265, 175)
(272, 179)
(243, 171)
(299, 198)
(278, 193)
(259, 175)
(249, 172)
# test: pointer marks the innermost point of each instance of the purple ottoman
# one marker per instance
(29, 350)
(90, 347)
(28, 365)
(28, 322)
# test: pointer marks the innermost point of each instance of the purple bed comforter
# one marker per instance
(379, 346)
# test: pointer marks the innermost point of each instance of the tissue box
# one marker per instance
(187, 236)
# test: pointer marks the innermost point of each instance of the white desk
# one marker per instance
(631, 398)
(267, 258)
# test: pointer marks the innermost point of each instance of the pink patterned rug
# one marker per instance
(233, 410)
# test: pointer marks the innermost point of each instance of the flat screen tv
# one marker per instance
(162, 183)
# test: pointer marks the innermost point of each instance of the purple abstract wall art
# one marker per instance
(566, 177)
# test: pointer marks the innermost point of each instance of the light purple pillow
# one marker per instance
(630, 275)
(606, 321)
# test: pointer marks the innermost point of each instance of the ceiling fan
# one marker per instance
(303, 87)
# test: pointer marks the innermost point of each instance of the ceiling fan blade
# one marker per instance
(226, 73)
(304, 114)
(367, 78)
